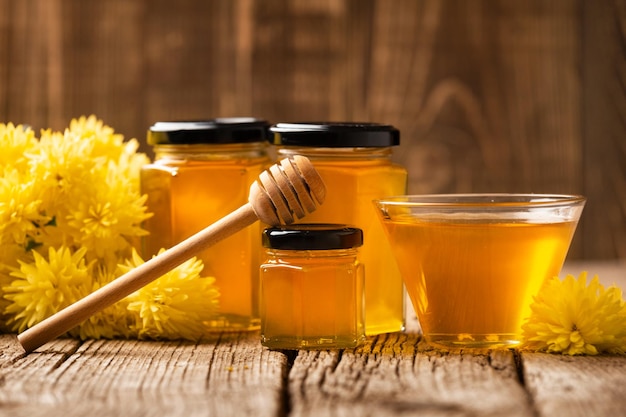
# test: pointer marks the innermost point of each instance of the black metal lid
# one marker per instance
(312, 236)
(335, 135)
(213, 131)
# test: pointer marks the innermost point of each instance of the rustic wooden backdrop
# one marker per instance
(508, 96)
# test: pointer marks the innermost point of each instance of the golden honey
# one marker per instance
(201, 173)
(312, 287)
(354, 160)
(472, 279)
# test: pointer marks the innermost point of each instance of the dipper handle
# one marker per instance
(288, 188)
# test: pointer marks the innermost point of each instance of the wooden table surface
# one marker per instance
(233, 375)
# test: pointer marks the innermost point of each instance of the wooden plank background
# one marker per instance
(506, 96)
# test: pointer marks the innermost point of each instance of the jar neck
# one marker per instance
(205, 151)
(329, 253)
(356, 153)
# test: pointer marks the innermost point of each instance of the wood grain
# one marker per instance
(509, 96)
(604, 106)
(231, 374)
(394, 374)
(583, 386)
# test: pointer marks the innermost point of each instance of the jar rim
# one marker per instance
(210, 131)
(335, 134)
(482, 201)
(312, 236)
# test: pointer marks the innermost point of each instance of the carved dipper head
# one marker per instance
(290, 187)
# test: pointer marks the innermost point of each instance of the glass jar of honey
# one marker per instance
(202, 171)
(354, 160)
(312, 287)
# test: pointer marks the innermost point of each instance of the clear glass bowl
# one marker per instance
(472, 263)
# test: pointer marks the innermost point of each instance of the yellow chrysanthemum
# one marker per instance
(70, 212)
(174, 306)
(63, 161)
(11, 255)
(46, 286)
(106, 222)
(129, 164)
(105, 141)
(94, 200)
(8, 254)
(110, 145)
(21, 208)
(15, 142)
(568, 316)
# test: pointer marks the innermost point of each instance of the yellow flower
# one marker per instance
(15, 142)
(9, 254)
(174, 306)
(70, 212)
(62, 162)
(571, 317)
(106, 220)
(88, 184)
(106, 142)
(46, 286)
(21, 208)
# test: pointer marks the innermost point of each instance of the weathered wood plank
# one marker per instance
(390, 375)
(486, 105)
(190, 62)
(604, 127)
(100, 64)
(576, 386)
(5, 29)
(230, 375)
(394, 374)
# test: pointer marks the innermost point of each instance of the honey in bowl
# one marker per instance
(472, 263)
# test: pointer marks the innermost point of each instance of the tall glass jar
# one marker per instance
(354, 160)
(202, 171)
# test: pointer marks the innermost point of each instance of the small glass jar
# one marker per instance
(354, 160)
(201, 172)
(312, 287)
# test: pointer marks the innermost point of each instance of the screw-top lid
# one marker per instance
(214, 131)
(318, 236)
(335, 135)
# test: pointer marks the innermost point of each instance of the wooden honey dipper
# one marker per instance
(291, 187)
